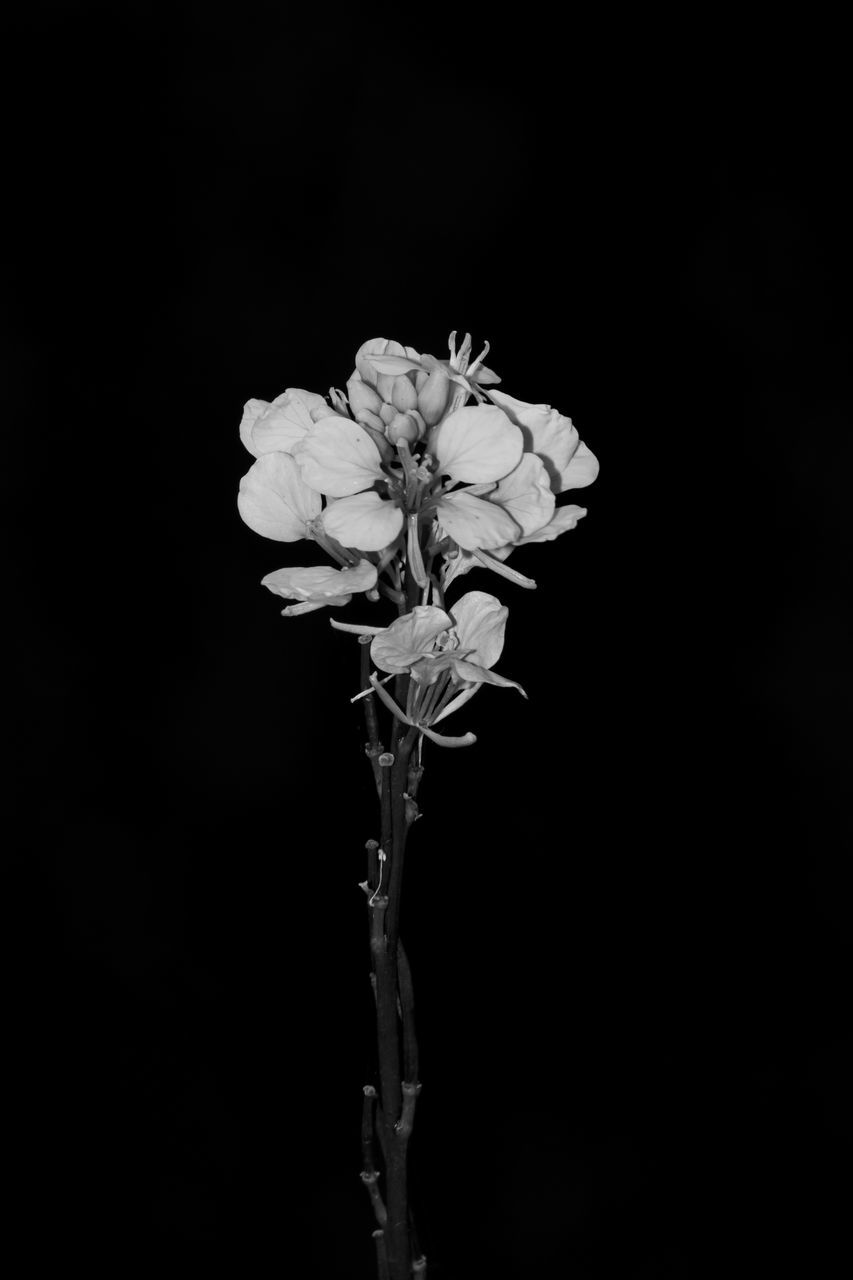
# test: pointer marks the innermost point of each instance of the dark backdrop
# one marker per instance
(624, 905)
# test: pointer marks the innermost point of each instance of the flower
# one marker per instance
(401, 470)
(316, 588)
(447, 655)
(554, 460)
(339, 459)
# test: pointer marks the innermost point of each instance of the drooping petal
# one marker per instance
(580, 471)
(563, 519)
(526, 494)
(322, 584)
(442, 740)
(477, 443)
(357, 629)
(365, 521)
(338, 457)
(480, 623)
(274, 499)
(473, 673)
(473, 522)
(408, 639)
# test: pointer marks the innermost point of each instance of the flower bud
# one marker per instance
(403, 427)
(368, 419)
(403, 394)
(432, 398)
(387, 413)
(362, 396)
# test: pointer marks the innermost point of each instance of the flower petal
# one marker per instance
(408, 639)
(474, 522)
(581, 470)
(546, 432)
(477, 443)
(322, 584)
(366, 521)
(480, 622)
(563, 519)
(526, 494)
(276, 427)
(275, 501)
(472, 673)
(442, 740)
(252, 411)
(338, 457)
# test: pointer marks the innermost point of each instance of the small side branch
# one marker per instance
(373, 747)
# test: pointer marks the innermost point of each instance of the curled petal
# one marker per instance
(480, 623)
(581, 470)
(408, 639)
(365, 521)
(323, 584)
(477, 444)
(338, 458)
(275, 501)
(473, 522)
(526, 494)
(563, 519)
(442, 740)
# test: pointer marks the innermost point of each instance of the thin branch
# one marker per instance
(381, 1256)
(373, 747)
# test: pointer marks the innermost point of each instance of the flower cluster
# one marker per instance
(401, 472)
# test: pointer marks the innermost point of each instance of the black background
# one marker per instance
(624, 906)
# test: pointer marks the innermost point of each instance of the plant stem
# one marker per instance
(391, 1116)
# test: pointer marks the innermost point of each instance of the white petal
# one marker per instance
(338, 457)
(408, 639)
(546, 432)
(275, 501)
(276, 427)
(366, 521)
(480, 622)
(357, 629)
(252, 411)
(581, 470)
(473, 522)
(477, 444)
(323, 583)
(563, 519)
(473, 673)
(526, 494)
(442, 740)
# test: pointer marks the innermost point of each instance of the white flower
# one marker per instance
(316, 588)
(448, 655)
(339, 459)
